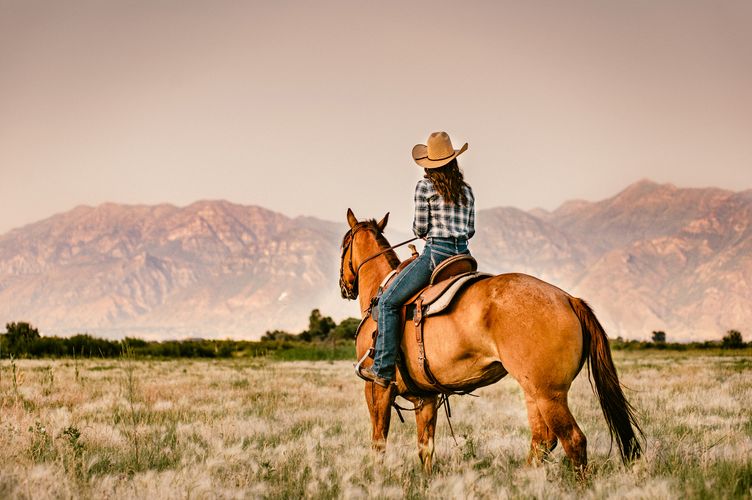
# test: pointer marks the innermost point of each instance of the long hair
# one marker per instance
(449, 182)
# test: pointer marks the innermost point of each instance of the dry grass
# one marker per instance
(250, 428)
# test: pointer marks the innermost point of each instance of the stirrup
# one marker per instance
(359, 363)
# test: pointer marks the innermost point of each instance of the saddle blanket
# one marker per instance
(438, 303)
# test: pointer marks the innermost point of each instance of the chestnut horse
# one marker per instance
(507, 324)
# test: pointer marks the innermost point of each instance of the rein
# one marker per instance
(442, 401)
(351, 292)
(381, 253)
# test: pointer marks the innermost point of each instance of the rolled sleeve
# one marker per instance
(471, 223)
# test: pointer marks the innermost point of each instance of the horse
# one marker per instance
(509, 324)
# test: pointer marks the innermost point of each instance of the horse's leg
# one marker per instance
(543, 439)
(425, 419)
(379, 401)
(553, 406)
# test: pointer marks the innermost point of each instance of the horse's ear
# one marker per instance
(382, 223)
(351, 218)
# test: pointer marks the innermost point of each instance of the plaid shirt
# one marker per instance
(435, 217)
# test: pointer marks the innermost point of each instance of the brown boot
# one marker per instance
(367, 373)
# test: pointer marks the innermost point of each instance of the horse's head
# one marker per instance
(352, 256)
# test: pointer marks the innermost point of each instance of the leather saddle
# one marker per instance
(446, 280)
(449, 277)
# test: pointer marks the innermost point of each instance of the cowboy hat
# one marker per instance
(438, 152)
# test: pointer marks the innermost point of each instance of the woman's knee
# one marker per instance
(388, 303)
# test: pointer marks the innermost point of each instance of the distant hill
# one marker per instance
(652, 257)
(211, 269)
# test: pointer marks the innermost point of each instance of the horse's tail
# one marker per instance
(619, 414)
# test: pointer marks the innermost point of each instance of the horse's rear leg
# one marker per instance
(553, 407)
(425, 419)
(543, 439)
(379, 401)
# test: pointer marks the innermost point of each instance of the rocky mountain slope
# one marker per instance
(211, 269)
(651, 257)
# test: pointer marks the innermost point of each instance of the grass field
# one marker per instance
(256, 428)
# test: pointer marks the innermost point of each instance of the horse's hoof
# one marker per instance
(378, 446)
(428, 466)
(426, 456)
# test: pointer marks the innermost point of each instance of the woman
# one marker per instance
(445, 218)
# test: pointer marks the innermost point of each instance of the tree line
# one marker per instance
(323, 339)
(732, 340)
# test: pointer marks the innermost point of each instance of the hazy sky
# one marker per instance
(296, 106)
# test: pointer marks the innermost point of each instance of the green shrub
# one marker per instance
(324, 339)
(732, 340)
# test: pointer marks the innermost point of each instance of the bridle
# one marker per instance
(350, 292)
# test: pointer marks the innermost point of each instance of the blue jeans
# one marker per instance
(408, 282)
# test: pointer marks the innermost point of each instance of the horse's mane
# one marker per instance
(391, 256)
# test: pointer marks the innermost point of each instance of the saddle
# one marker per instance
(446, 280)
(449, 277)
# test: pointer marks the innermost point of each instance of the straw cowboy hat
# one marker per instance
(438, 152)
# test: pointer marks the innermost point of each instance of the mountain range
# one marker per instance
(652, 257)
